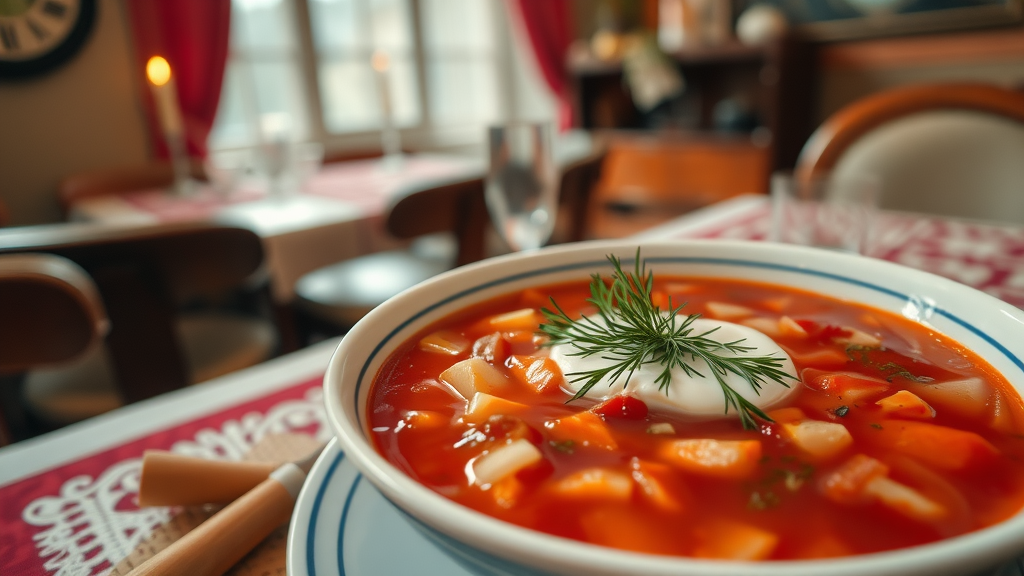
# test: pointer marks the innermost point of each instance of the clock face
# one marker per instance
(36, 35)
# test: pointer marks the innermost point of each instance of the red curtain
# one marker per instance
(193, 36)
(548, 25)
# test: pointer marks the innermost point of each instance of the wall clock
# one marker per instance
(39, 35)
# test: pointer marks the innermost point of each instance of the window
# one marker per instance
(454, 67)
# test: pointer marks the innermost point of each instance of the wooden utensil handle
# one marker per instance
(170, 479)
(220, 542)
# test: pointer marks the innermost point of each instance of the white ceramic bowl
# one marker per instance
(986, 325)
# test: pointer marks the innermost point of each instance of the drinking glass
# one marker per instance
(522, 187)
(831, 211)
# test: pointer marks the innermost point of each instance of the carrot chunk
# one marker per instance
(728, 540)
(784, 415)
(483, 406)
(525, 319)
(847, 387)
(906, 404)
(541, 374)
(718, 458)
(583, 428)
(937, 446)
(617, 526)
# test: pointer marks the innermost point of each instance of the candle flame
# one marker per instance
(380, 61)
(158, 71)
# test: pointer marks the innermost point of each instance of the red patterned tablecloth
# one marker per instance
(79, 518)
(986, 256)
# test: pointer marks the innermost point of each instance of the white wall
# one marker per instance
(84, 115)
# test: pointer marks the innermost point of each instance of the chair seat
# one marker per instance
(344, 292)
(214, 345)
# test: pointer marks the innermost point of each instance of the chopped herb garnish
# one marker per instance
(892, 370)
(842, 411)
(565, 446)
(876, 425)
(635, 332)
(762, 501)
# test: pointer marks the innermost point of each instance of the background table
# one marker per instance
(337, 215)
(66, 499)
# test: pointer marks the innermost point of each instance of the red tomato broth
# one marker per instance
(782, 497)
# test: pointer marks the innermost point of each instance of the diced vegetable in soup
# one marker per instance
(780, 425)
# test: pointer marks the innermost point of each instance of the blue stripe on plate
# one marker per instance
(310, 564)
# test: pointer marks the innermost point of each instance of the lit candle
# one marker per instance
(390, 139)
(164, 95)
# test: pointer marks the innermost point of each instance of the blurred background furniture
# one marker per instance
(166, 290)
(950, 149)
(122, 180)
(51, 314)
(342, 293)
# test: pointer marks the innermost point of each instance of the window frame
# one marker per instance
(426, 134)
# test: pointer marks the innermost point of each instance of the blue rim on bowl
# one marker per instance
(951, 308)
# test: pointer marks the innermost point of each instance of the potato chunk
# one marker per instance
(598, 483)
(727, 311)
(474, 375)
(821, 440)
(718, 458)
(504, 461)
(444, 342)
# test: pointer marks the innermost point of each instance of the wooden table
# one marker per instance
(66, 498)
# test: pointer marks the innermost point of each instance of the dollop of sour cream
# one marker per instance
(697, 397)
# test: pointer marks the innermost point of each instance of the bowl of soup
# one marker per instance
(692, 407)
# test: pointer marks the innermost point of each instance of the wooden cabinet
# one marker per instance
(684, 154)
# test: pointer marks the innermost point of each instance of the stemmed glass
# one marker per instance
(522, 187)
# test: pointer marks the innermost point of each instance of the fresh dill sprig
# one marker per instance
(635, 332)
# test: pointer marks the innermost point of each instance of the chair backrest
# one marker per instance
(143, 274)
(456, 207)
(50, 312)
(575, 189)
(951, 149)
(112, 181)
(460, 208)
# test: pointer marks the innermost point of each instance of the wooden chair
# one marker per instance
(952, 149)
(51, 314)
(93, 183)
(343, 293)
(147, 276)
(5, 215)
